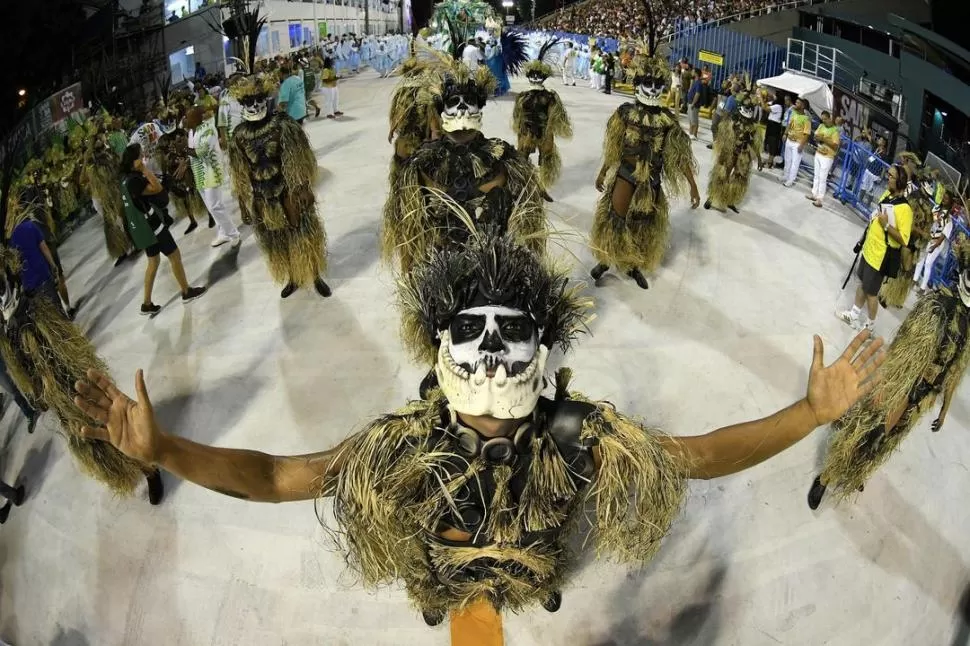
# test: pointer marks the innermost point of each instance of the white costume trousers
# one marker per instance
(331, 98)
(823, 166)
(215, 201)
(924, 269)
(569, 72)
(793, 159)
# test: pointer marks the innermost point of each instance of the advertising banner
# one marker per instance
(860, 113)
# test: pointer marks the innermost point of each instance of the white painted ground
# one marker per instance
(723, 335)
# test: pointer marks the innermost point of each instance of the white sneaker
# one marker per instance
(789, 184)
(236, 241)
(220, 240)
(852, 320)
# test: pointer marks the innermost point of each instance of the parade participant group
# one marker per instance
(470, 494)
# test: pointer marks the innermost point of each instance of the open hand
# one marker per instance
(127, 425)
(834, 389)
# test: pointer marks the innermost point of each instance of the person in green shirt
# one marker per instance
(827, 139)
(796, 135)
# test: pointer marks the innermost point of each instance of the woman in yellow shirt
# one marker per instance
(827, 139)
(889, 228)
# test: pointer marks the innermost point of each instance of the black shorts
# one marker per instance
(871, 278)
(165, 244)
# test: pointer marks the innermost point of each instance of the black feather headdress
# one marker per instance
(488, 270)
(541, 67)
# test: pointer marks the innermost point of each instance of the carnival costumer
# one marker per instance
(738, 142)
(469, 497)
(539, 116)
(273, 168)
(644, 149)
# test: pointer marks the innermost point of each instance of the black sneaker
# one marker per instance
(32, 422)
(288, 290)
(150, 309)
(71, 313)
(640, 279)
(733, 208)
(433, 618)
(5, 511)
(598, 271)
(155, 487)
(322, 288)
(19, 496)
(815, 493)
(554, 601)
(707, 204)
(123, 257)
(212, 221)
(193, 293)
(192, 227)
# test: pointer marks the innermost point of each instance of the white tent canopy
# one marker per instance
(817, 93)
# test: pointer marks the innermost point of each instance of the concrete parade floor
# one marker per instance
(723, 335)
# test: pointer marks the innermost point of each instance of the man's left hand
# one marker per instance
(834, 389)
(695, 198)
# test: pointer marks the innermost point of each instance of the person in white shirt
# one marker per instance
(471, 56)
(209, 169)
(569, 65)
(940, 233)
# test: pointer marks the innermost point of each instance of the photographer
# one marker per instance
(148, 227)
(881, 246)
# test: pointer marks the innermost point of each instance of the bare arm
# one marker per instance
(131, 427)
(947, 399)
(831, 391)
(49, 257)
(154, 186)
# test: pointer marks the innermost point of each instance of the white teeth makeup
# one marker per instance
(500, 375)
(480, 375)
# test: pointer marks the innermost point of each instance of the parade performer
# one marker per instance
(99, 174)
(472, 497)
(928, 357)
(172, 150)
(460, 169)
(45, 354)
(539, 116)
(413, 117)
(644, 149)
(738, 142)
(273, 169)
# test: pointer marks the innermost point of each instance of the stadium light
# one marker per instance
(22, 93)
(508, 4)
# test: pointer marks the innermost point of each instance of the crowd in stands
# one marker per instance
(616, 19)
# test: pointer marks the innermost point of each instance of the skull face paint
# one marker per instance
(536, 79)
(254, 107)
(461, 106)
(490, 362)
(649, 88)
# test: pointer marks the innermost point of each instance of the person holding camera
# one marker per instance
(888, 232)
(148, 227)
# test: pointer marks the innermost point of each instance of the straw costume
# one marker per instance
(738, 143)
(273, 169)
(454, 174)
(464, 520)
(413, 117)
(45, 354)
(173, 156)
(644, 149)
(539, 117)
(928, 357)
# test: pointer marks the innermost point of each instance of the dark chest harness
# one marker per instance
(561, 420)
(535, 111)
(650, 134)
(265, 157)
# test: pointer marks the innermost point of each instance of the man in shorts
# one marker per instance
(694, 104)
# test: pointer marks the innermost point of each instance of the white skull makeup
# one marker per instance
(649, 89)
(746, 110)
(254, 108)
(490, 362)
(536, 79)
(461, 105)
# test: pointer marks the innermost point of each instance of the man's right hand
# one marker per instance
(127, 425)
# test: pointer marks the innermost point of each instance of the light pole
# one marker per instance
(507, 5)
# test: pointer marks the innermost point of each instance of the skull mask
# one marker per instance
(536, 78)
(746, 109)
(254, 107)
(490, 362)
(649, 88)
(461, 105)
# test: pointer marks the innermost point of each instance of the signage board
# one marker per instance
(710, 57)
